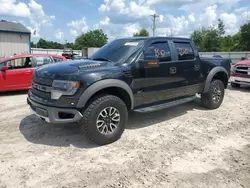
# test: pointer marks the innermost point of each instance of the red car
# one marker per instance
(240, 74)
(16, 71)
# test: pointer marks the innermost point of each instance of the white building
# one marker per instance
(14, 39)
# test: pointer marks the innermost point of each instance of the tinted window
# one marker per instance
(19, 63)
(184, 51)
(118, 50)
(57, 59)
(42, 60)
(159, 50)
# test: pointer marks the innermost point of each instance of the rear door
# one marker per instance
(188, 67)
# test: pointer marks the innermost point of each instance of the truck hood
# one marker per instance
(244, 62)
(72, 67)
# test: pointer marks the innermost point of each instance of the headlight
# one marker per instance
(233, 68)
(61, 87)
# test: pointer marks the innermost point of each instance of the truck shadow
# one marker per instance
(70, 135)
(140, 120)
(12, 93)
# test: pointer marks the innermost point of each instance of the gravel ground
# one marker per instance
(185, 146)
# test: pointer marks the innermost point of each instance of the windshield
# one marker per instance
(118, 50)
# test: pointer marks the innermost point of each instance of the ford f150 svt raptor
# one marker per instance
(142, 74)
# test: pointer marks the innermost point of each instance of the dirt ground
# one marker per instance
(185, 146)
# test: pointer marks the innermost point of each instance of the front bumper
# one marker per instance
(55, 115)
(240, 80)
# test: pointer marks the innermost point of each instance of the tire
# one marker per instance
(215, 95)
(92, 117)
(235, 85)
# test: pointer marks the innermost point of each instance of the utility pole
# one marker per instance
(154, 25)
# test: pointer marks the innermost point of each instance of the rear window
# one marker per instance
(184, 51)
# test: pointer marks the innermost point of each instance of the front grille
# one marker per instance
(41, 94)
(241, 69)
(40, 90)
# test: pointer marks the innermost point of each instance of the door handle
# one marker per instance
(172, 70)
(197, 67)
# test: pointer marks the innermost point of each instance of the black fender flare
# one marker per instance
(99, 85)
(210, 76)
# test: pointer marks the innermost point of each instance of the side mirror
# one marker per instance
(4, 68)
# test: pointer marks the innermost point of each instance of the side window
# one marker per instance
(19, 63)
(57, 59)
(158, 50)
(184, 51)
(42, 60)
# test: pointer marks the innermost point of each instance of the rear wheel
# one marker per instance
(215, 95)
(104, 119)
(235, 84)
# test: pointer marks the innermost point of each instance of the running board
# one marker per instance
(166, 105)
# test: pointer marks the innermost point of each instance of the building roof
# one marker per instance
(12, 27)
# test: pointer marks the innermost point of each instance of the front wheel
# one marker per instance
(215, 95)
(104, 119)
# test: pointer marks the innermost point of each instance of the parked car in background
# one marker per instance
(16, 71)
(240, 74)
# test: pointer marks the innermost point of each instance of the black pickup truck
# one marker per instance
(142, 74)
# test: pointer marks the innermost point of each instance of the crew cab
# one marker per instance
(140, 74)
(240, 74)
(16, 71)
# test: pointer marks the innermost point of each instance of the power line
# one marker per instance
(154, 25)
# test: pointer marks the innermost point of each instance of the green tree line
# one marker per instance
(213, 39)
(94, 38)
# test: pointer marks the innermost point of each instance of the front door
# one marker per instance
(157, 74)
(18, 75)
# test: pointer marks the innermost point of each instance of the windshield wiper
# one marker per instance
(102, 59)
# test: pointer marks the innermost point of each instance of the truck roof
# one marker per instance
(158, 37)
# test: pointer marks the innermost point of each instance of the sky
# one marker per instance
(64, 20)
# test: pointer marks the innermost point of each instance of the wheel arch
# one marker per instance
(219, 73)
(111, 86)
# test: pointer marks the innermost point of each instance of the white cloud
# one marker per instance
(73, 33)
(12, 8)
(131, 29)
(32, 12)
(231, 23)
(78, 26)
(121, 11)
(37, 14)
(106, 21)
(59, 35)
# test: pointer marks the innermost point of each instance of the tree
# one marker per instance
(206, 39)
(245, 36)
(142, 33)
(221, 28)
(95, 38)
(211, 38)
